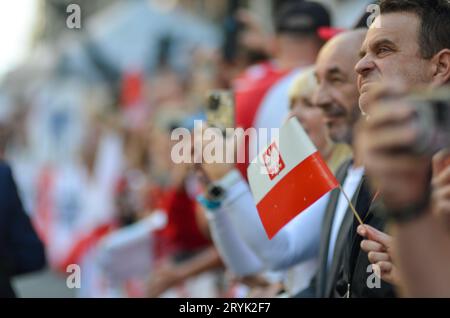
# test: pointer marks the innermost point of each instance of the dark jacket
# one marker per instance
(20, 249)
(356, 278)
(350, 263)
(324, 282)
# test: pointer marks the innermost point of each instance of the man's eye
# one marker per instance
(336, 80)
(383, 50)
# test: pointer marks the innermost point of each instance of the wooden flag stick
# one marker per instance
(351, 205)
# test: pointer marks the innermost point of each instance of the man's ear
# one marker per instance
(442, 67)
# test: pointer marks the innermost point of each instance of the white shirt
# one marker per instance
(350, 185)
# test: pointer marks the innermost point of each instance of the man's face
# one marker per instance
(337, 92)
(390, 54)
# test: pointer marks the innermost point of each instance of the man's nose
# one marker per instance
(322, 99)
(364, 65)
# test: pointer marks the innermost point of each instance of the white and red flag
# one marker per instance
(287, 177)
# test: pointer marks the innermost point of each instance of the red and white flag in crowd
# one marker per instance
(287, 177)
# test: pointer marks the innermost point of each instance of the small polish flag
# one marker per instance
(288, 177)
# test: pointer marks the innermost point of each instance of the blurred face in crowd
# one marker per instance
(312, 119)
(337, 94)
(391, 54)
(310, 116)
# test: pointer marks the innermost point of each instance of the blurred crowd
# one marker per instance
(85, 146)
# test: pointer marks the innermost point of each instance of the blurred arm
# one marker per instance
(424, 257)
(236, 254)
(423, 244)
(171, 274)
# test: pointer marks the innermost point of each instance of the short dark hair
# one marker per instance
(434, 15)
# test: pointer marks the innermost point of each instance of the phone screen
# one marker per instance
(220, 109)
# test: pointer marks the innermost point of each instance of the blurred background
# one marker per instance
(86, 115)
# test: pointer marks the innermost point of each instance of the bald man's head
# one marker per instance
(337, 92)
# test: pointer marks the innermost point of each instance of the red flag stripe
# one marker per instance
(84, 244)
(276, 209)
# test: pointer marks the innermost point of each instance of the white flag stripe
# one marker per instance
(294, 147)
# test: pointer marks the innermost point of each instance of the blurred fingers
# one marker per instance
(375, 257)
